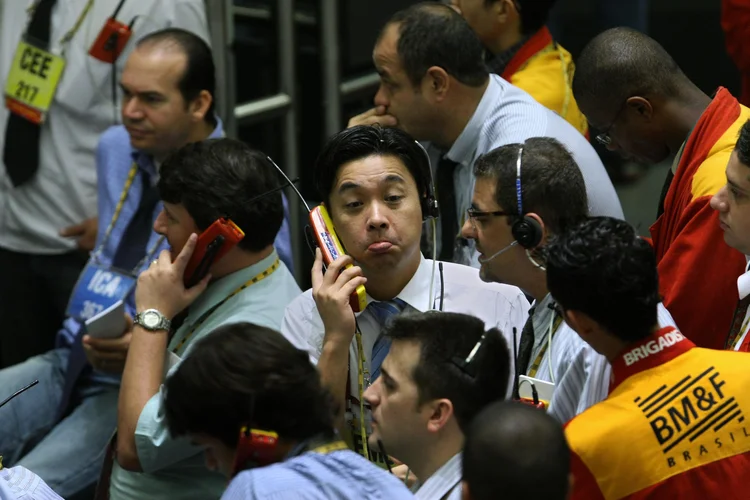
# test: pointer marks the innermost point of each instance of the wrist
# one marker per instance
(337, 340)
(152, 320)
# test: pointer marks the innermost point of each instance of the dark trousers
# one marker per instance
(34, 293)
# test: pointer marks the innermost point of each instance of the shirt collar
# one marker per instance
(443, 481)
(416, 293)
(221, 288)
(656, 349)
(743, 282)
(466, 143)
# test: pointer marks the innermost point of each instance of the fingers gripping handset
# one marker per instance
(331, 248)
(212, 245)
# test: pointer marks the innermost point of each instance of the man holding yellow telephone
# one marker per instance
(377, 187)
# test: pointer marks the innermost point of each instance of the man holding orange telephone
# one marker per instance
(221, 213)
(377, 188)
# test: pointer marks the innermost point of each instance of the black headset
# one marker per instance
(526, 230)
(428, 202)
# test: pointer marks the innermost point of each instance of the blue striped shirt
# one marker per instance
(314, 476)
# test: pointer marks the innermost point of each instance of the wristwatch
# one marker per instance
(152, 320)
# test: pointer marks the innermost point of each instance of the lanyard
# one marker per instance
(72, 31)
(116, 216)
(260, 277)
(538, 360)
(361, 388)
(330, 447)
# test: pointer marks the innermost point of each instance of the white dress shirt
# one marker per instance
(19, 483)
(508, 115)
(445, 483)
(498, 305)
(63, 191)
(580, 374)
(743, 287)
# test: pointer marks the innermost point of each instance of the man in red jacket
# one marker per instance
(735, 21)
(632, 91)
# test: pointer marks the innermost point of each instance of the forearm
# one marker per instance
(334, 372)
(141, 379)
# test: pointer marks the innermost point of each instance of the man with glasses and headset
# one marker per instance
(524, 196)
(628, 86)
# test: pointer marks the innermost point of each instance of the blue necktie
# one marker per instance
(383, 312)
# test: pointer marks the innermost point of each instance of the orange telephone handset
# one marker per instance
(213, 243)
(331, 248)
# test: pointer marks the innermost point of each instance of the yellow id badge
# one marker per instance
(32, 82)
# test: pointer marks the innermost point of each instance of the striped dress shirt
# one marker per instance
(19, 483)
(445, 483)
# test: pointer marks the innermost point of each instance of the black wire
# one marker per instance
(442, 286)
(19, 392)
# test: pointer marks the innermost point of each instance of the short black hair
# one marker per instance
(552, 185)
(433, 34)
(743, 144)
(516, 449)
(218, 178)
(362, 141)
(603, 269)
(446, 340)
(200, 72)
(534, 13)
(621, 63)
(245, 374)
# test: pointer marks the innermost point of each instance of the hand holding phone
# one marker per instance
(213, 244)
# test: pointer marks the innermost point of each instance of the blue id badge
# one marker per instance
(98, 288)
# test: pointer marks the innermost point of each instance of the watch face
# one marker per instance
(150, 319)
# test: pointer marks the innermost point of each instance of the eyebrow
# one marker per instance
(149, 93)
(389, 179)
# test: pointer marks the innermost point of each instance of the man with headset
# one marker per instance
(435, 86)
(525, 195)
(269, 425)
(376, 183)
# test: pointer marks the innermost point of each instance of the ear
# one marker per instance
(200, 105)
(436, 83)
(503, 9)
(442, 411)
(581, 323)
(539, 220)
(465, 494)
(641, 106)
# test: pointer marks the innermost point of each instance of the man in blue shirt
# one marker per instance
(60, 429)
(200, 185)
(269, 424)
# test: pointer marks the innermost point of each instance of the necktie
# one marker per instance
(525, 346)
(446, 192)
(21, 152)
(134, 242)
(737, 320)
(384, 312)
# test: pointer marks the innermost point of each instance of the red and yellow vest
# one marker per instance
(674, 425)
(544, 69)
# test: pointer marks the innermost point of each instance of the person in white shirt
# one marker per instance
(19, 483)
(432, 383)
(435, 86)
(375, 183)
(731, 202)
(48, 215)
(525, 194)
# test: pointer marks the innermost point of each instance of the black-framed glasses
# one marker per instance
(604, 138)
(472, 215)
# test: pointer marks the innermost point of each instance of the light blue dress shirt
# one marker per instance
(174, 468)
(314, 476)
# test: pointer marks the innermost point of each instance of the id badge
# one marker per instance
(33, 79)
(98, 288)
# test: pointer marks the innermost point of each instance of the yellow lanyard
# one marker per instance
(260, 277)
(330, 447)
(538, 359)
(72, 31)
(116, 216)
(361, 388)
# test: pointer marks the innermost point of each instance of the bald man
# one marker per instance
(632, 91)
(517, 450)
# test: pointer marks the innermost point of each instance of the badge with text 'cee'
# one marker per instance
(32, 81)
(97, 289)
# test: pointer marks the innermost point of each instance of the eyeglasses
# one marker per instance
(604, 138)
(472, 215)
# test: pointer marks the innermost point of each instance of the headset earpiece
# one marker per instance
(527, 231)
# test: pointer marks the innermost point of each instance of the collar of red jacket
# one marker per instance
(537, 42)
(664, 345)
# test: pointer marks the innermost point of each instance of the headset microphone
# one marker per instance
(499, 252)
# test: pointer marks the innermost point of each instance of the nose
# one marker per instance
(131, 109)
(467, 230)
(377, 218)
(381, 98)
(718, 201)
(160, 224)
(371, 394)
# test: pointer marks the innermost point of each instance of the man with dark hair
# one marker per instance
(524, 196)
(673, 423)
(435, 86)
(518, 450)
(258, 384)
(521, 50)
(199, 184)
(376, 186)
(441, 371)
(629, 87)
(734, 219)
